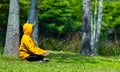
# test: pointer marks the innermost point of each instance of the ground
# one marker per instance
(61, 62)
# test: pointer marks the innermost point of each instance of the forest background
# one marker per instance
(60, 24)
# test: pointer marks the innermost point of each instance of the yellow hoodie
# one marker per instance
(28, 46)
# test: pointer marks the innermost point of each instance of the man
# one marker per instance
(28, 50)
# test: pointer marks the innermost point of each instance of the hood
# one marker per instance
(27, 29)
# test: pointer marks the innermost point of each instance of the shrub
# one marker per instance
(71, 44)
(109, 48)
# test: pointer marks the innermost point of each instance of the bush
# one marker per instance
(109, 48)
(1, 50)
(2, 39)
(71, 44)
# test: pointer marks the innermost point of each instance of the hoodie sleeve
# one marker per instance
(32, 48)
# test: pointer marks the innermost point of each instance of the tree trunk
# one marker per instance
(12, 35)
(33, 18)
(99, 21)
(93, 28)
(86, 28)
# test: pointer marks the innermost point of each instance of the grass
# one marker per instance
(61, 62)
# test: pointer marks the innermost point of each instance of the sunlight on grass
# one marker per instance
(62, 62)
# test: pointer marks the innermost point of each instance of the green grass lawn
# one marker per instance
(61, 62)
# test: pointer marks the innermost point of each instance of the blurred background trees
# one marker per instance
(33, 19)
(58, 17)
(60, 24)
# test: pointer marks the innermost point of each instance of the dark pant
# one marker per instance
(34, 58)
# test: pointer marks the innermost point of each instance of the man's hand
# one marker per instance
(46, 53)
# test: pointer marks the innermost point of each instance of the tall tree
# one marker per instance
(99, 21)
(94, 29)
(96, 26)
(33, 18)
(86, 28)
(12, 35)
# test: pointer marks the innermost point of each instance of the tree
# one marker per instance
(93, 28)
(12, 35)
(33, 18)
(86, 28)
(96, 26)
(99, 21)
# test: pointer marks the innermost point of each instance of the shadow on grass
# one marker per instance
(72, 58)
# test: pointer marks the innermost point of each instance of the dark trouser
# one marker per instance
(34, 58)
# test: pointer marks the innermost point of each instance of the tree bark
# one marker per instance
(33, 18)
(99, 21)
(86, 28)
(12, 35)
(94, 30)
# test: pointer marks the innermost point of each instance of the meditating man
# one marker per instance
(28, 50)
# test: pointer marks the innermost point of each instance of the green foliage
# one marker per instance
(2, 39)
(1, 50)
(71, 45)
(111, 12)
(109, 48)
(24, 11)
(60, 16)
(66, 15)
(3, 14)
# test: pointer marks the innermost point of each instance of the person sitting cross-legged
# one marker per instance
(28, 49)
